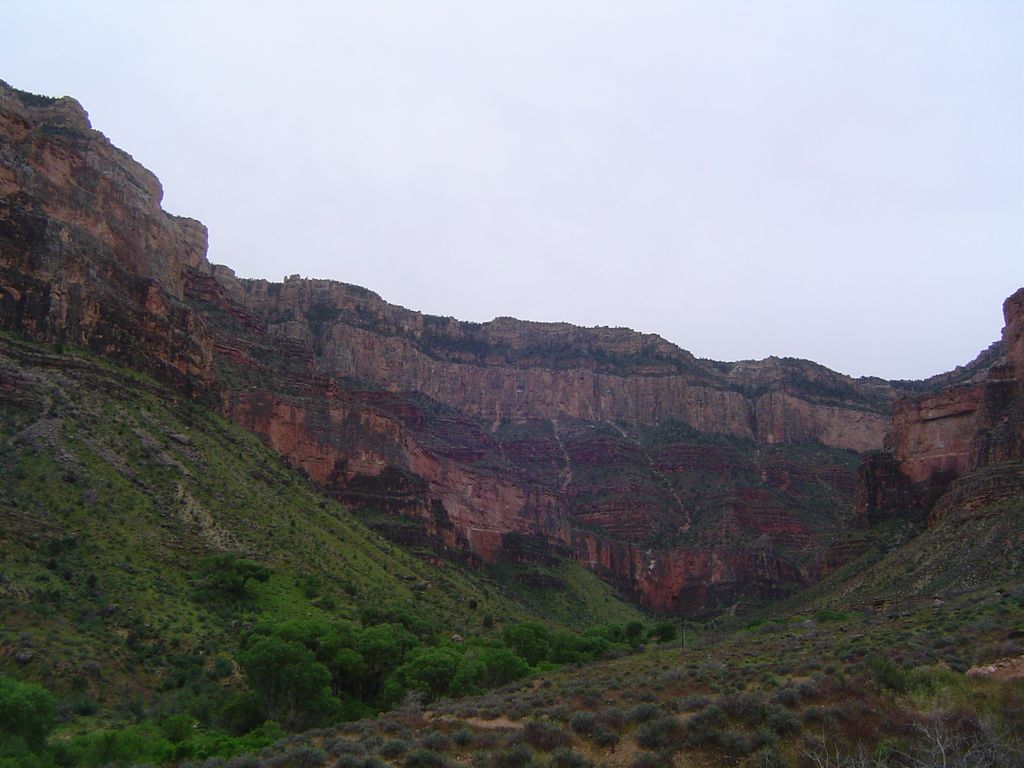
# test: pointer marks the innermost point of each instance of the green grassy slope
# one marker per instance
(115, 489)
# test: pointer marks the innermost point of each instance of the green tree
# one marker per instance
(664, 631)
(289, 681)
(383, 648)
(483, 668)
(429, 670)
(27, 711)
(531, 640)
(347, 668)
(635, 634)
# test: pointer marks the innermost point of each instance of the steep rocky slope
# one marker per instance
(685, 482)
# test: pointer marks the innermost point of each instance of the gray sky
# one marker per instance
(841, 181)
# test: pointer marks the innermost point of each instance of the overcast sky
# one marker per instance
(840, 181)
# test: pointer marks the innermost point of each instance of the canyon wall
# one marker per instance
(688, 483)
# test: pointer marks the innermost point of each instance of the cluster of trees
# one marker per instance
(305, 672)
(538, 644)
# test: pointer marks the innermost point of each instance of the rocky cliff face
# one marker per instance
(511, 370)
(686, 482)
(86, 254)
(962, 442)
(497, 439)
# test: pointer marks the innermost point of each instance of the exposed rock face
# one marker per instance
(932, 434)
(86, 254)
(941, 442)
(686, 482)
(491, 436)
(509, 369)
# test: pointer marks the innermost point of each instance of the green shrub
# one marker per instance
(429, 671)
(177, 728)
(436, 741)
(888, 675)
(782, 721)
(705, 727)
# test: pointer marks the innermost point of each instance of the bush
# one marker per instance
(566, 758)
(583, 722)
(705, 727)
(429, 670)
(641, 713)
(519, 756)
(544, 735)
(436, 741)
(693, 703)
(483, 668)
(463, 737)
(393, 748)
(736, 744)
(177, 728)
(660, 733)
(782, 721)
(889, 675)
(748, 707)
(426, 758)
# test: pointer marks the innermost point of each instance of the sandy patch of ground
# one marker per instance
(1010, 668)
